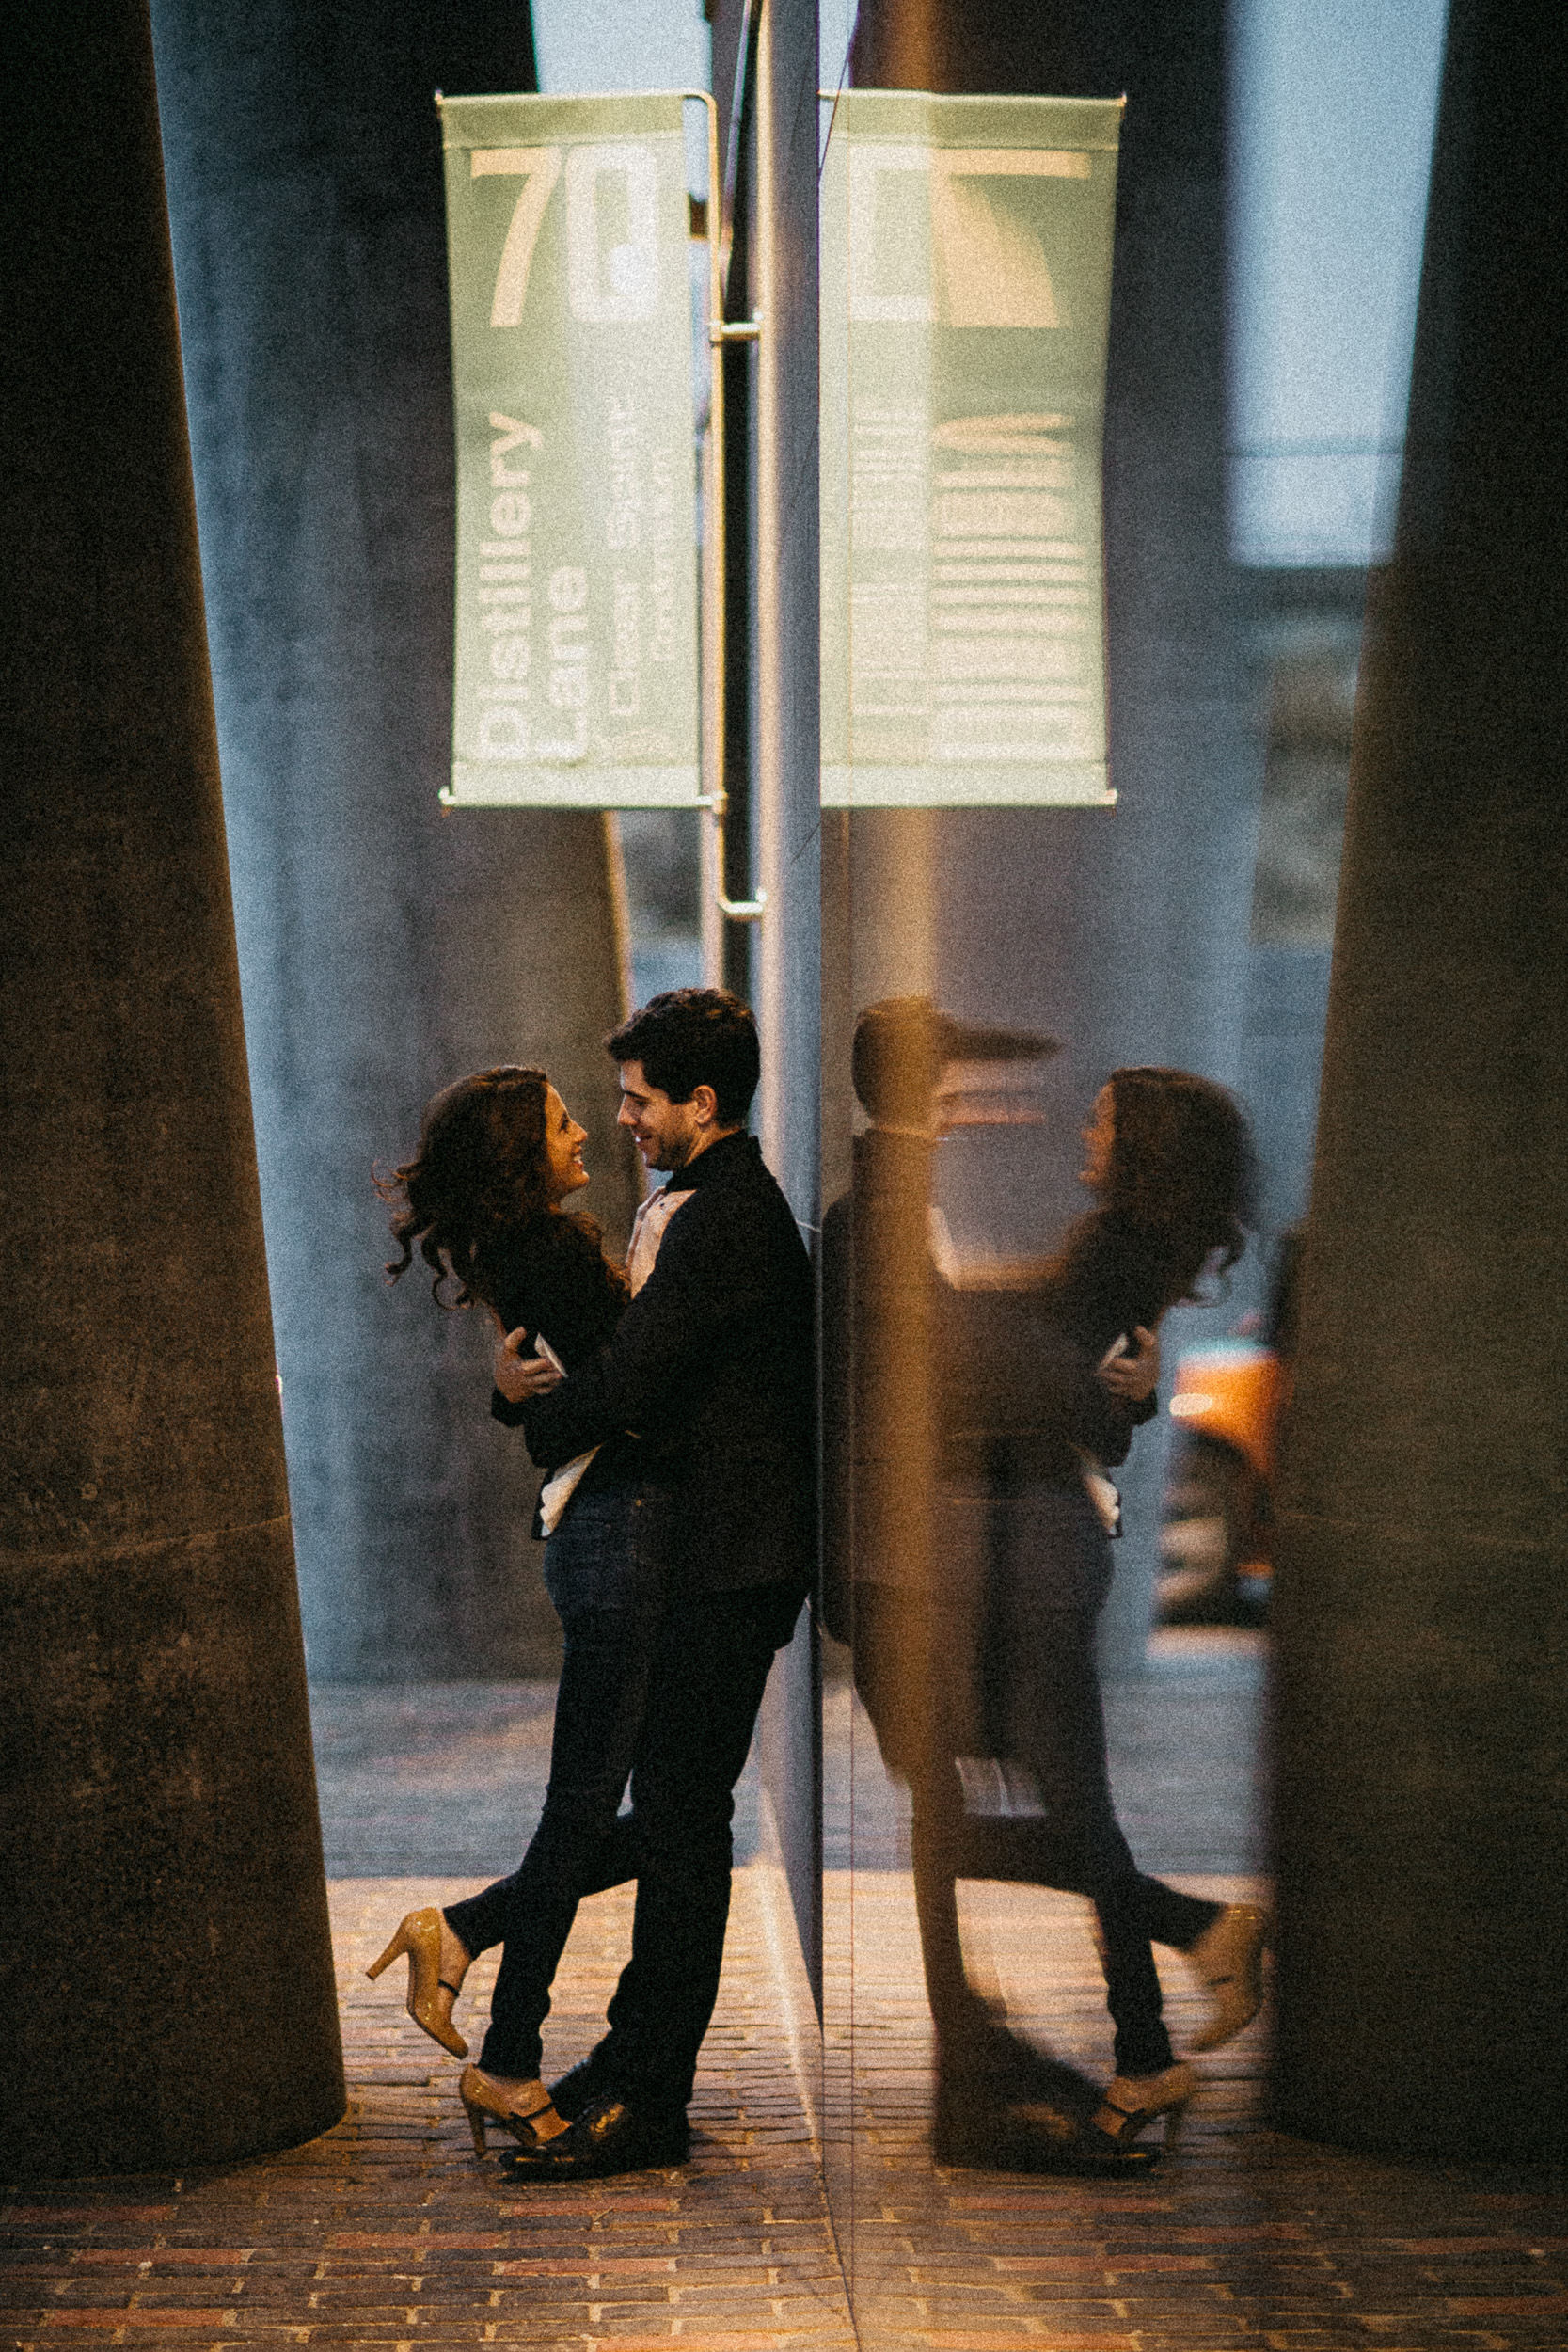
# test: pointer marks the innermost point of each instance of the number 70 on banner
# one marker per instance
(993, 278)
(630, 267)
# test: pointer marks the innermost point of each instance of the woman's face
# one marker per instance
(1100, 1137)
(563, 1141)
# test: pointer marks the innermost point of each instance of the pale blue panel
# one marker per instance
(620, 45)
(1333, 107)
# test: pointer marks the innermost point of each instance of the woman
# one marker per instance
(483, 1200)
(1170, 1164)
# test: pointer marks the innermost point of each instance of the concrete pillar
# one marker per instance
(384, 949)
(1422, 1871)
(1124, 931)
(169, 1996)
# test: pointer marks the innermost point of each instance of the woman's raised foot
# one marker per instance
(437, 1965)
(1228, 1961)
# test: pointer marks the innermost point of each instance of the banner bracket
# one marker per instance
(720, 332)
(734, 910)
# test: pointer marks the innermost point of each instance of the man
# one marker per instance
(713, 1367)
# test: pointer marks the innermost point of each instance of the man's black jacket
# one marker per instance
(714, 1366)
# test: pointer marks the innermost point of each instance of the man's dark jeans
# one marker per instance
(665, 1692)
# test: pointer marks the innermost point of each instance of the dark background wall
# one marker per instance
(384, 949)
(1305, 641)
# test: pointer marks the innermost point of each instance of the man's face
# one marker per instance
(664, 1132)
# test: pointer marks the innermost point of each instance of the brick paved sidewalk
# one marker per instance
(385, 2234)
(1244, 2238)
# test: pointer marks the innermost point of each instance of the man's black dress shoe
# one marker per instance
(585, 2082)
(609, 2136)
(1019, 2140)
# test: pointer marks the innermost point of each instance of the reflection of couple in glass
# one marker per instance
(971, 1424)
(674, 1406)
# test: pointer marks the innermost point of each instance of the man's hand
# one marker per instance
(519, 1376)
(1137, 1375)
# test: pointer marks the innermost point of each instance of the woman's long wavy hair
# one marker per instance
(1183, 1171)
(479, 1171)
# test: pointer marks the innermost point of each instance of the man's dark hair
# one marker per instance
(694, 1036)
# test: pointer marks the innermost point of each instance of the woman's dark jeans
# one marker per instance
(1055, 1576)
(603, 1568)
(1013, 1669)
(664, 1692)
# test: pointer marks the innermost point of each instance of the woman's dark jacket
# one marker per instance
(1021, 1396)
(1106, 1281)
(1110, 1276)
(713, 1365)
(552, 1278)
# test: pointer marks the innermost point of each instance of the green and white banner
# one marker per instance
(568, 229)
(966, 284)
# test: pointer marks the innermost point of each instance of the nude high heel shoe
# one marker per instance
(420, 1936)
(1133, 2101)
(483, 2100)
(1228, 1961)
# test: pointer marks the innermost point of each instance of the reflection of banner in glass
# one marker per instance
(567, 232)
(966, 283)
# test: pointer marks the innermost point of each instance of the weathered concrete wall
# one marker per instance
(170, 1996)
(1421, 1619)
(385, 949)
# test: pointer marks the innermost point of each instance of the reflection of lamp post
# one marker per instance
(918, 1072)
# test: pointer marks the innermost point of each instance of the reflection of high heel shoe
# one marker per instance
(1004, 2106)
(482, 2100)
(420, 1936)
(1227, 1959)
(1133, 2101)
(1033, 2136)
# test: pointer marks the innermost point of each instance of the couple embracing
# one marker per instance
(674, 1406)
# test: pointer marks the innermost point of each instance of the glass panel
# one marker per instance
(1002, 1266)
